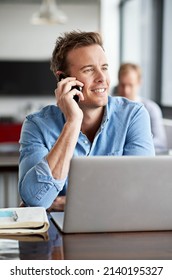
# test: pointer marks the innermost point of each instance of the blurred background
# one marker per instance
(137, 31)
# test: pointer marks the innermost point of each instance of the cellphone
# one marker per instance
(76, 97)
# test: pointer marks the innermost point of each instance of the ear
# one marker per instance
(59, 75)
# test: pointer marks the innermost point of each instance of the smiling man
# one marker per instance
(97, 124)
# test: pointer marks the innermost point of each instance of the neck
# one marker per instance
(91, 122)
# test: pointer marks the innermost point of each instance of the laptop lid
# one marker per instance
(107, 194)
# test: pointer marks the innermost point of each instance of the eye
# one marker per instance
(105, 68)
(88, 70)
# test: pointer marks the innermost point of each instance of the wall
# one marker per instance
(20, 39)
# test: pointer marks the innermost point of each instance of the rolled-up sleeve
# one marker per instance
(37, 187)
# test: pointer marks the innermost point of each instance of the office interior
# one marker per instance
(136, 31)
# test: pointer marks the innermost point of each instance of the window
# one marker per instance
(141, 41)
(166, 97)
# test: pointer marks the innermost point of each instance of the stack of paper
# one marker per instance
(23, 220)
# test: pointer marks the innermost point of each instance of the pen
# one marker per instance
(15, 216)
(9, 213)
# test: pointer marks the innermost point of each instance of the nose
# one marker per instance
(99, 76)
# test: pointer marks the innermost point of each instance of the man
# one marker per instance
(129, 77)
(97, 125)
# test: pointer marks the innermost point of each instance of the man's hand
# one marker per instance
(58, 204)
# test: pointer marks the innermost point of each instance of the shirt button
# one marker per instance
(86, 142)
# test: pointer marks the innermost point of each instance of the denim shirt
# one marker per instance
(125, 130)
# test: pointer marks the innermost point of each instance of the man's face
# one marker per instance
(129, 84)
(89, 65)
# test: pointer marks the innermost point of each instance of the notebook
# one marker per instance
(113, 194)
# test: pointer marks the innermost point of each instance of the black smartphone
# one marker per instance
(76, 97)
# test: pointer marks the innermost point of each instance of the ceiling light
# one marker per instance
(49, 13)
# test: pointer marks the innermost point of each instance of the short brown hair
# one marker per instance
(127, 67)
(71, 40)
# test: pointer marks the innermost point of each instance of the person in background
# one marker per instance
(97, 125)
(129, 82)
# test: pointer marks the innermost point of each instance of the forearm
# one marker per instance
(60, 155)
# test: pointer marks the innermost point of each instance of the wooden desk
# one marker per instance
(99, 246)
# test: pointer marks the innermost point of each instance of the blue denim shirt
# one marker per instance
(125, 130)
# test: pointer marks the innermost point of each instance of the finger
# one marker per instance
(77, 92)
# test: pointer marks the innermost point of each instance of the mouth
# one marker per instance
(99, 90)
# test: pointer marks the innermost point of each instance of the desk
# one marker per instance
(99, 246)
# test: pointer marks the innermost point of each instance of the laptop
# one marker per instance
(116, 194)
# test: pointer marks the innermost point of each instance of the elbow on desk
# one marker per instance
(37, 194)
